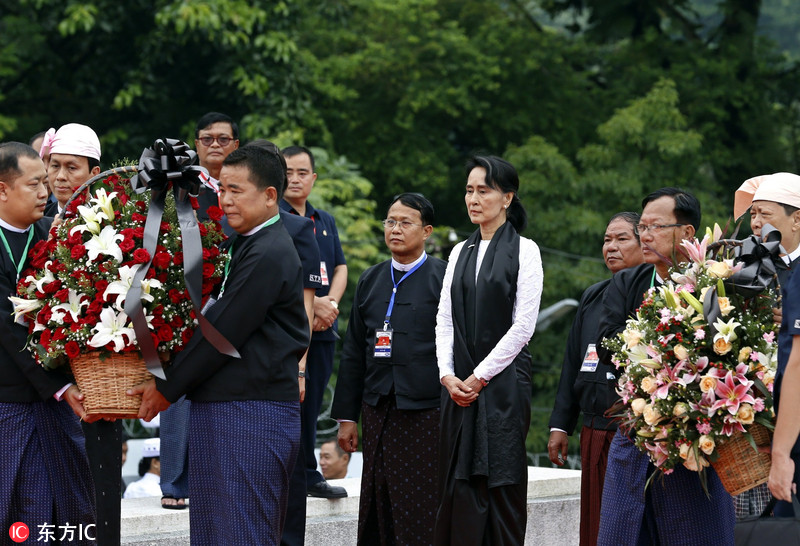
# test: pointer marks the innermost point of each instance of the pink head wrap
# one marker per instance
(73, 139)
(783, 188)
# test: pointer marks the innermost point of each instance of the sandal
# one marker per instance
(179, 504)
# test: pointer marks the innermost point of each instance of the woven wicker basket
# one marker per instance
(104, 383)
(739, 466)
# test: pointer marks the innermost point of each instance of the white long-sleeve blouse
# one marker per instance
(526, 310)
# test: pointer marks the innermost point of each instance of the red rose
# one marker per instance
(126, 245)
(186, 335)
(177, 259)
(62, 295)
(215, 213)
(162, 260)
(101, 285)
(78, 251)
(44, 315)
(44, 340)
(165, 333)
(75, 327)
(194, 202)
(72, 349)
(208, 270)
(175, 296)
(165, 226)
(203, 230)
(52, 287)
(141, 256)
(75, 238)
(96, 307)
(141, 205)
(140, 218)
(176, 322)
(123, 198)
(59, 334)
(138, 232)
(162, 277)
(208, 287)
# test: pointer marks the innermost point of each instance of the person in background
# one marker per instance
(676, 508)
(333, 276)
(44, 473)
(149, 470)
(487, 314)
(388, 378)
(584, 385)
(333, 460)
(73, 154)
(244, 426)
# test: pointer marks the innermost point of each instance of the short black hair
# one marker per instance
(416, 201)
(271, 147)
(209, 119)
(789, 209)
(631, 217)
(144, 464)
(291, 151)
(10, 152)
(687, 207)
(339, 449)
(266, 168)
(40, 134)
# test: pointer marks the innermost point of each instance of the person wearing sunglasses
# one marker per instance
(216, 135)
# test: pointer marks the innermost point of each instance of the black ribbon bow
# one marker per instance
(170, 162)
(758, 256)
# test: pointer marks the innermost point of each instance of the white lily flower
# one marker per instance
(121, 286)
(23, 306)
(46, 279)
(726, 330)
(105, 202)
(73, 306)
(105, 243)
(93, 218)
(110, 329)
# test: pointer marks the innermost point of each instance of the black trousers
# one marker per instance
(104, 449)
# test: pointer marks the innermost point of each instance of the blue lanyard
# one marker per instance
(396, 284)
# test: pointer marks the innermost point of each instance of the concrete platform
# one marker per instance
(553, 514)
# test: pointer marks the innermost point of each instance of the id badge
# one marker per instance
(207, 306)
(323, 272)
(590, 359)
(383, 343)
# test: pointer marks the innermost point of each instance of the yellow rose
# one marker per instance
(746, 415)
(769, 378)
(685, 450)
(722, 346)
(637, 405)
(720, 270)
(681, 353)
(632, 338)
(651, 415)
(708, 383)
(745, 353)
(703, 293)
(695, 464)
(649, 385)
(706, 444)
(725, 306)
(680, 410)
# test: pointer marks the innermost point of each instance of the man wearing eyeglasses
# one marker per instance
(333, 275)
(673, 509)
(216, 136)
(388, 376)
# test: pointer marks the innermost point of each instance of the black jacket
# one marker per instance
(261, 313)
(411, 373)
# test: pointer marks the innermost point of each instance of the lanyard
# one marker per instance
(230, 252)
(24, 252)
(653, 279)
(396, 284)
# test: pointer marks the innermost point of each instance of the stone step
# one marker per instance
(553, 514)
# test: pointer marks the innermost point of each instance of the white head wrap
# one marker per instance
(73, 139)
(783, 188)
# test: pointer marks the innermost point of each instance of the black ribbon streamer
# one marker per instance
(757, 256)
(170, 162)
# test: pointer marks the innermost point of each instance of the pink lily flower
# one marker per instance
(732, 395)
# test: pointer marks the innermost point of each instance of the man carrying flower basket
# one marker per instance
(674, 508)
(44, 475)
(245, 413)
